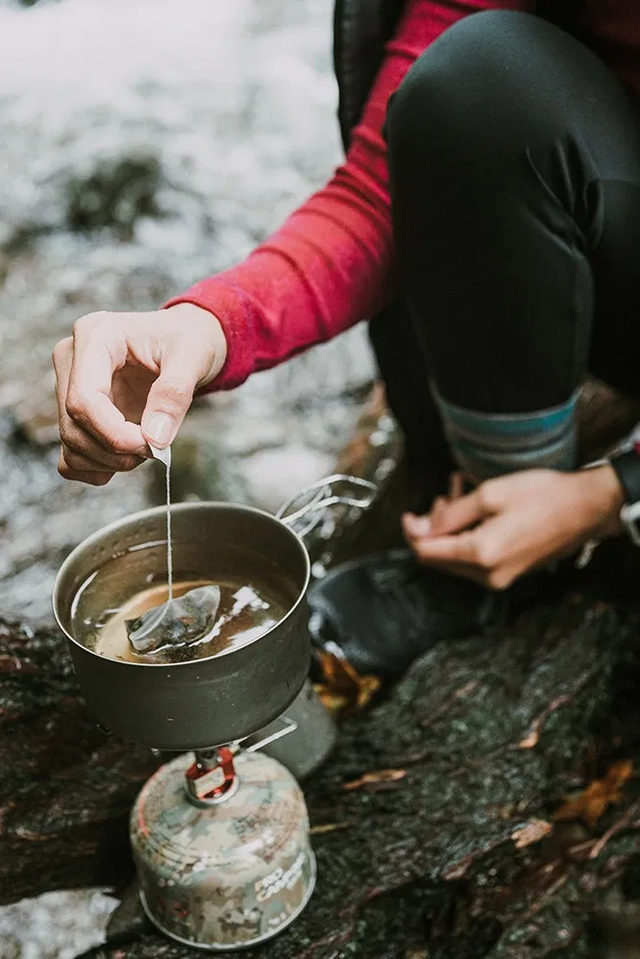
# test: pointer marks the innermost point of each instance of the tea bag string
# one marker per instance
(165, 457)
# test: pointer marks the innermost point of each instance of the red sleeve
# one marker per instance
(328, 267)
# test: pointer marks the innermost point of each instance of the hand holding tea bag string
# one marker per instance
(125, 380)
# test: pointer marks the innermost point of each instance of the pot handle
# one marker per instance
(258, 740)
(359, 493)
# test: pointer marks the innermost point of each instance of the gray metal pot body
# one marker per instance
(206, 702)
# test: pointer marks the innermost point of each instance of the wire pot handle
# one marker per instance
(360, 494)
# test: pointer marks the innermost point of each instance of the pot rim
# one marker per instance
(156, 511)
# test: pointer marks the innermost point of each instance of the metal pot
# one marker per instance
(228, 696)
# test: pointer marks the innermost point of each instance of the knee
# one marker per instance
(472, 83)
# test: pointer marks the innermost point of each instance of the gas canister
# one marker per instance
(222, 849)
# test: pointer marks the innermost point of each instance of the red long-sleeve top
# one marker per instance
(329, 265)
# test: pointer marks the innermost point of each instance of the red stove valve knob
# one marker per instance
(212, 774)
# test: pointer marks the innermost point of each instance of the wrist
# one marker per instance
(602, 497)
(189, 315)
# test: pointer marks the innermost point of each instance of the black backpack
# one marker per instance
(361, 28)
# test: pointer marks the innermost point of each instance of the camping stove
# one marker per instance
(221, 845)
(221, 841)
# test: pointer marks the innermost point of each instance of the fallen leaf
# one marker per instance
(335, 704)
(379, 776)
(534, 831)
(344, 690)
(530, 740)
(590, 804)
(327, 827)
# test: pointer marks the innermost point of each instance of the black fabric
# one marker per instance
(381, 612)
(561, 12)
(515, 178)
(361, 28)
(627, 467)
(384, 611)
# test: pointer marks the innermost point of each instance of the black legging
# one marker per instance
(514, 156)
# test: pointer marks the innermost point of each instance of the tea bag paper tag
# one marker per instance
(163, 455)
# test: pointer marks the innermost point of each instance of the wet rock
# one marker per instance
(489, 734)
(240, 141)
(273, 476)
(128, 920)
(59, 924)
(115, 195)
(66, 786)
(19, 237)
(36, 422)
(42, 517)
(614, 928)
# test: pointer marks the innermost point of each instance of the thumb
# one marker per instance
(169, 399)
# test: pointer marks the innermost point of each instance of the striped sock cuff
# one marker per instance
(490, 444)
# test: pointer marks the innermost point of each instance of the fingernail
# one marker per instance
(160, 429)
(423, 525)
(419, 525)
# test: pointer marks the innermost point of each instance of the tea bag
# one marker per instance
(178, 622)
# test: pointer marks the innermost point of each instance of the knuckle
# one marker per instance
(489, 495)
(61, 349)
(498, 580)
(73, 449)
(177, 393)
(118, 447)
(419, 551)
(70, 446)
(75, 404)
(69, 436)
(484, 554)
(87, 323)
(99, 479)
(80, 326)
(71, 459)
(63, 467)
(126, 463)
(80, 463)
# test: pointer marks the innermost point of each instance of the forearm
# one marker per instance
(297, 289)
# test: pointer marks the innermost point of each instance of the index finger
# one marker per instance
(458, 514)
(96, 358)
(458, 548)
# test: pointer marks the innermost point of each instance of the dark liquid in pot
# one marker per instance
(248, 608)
